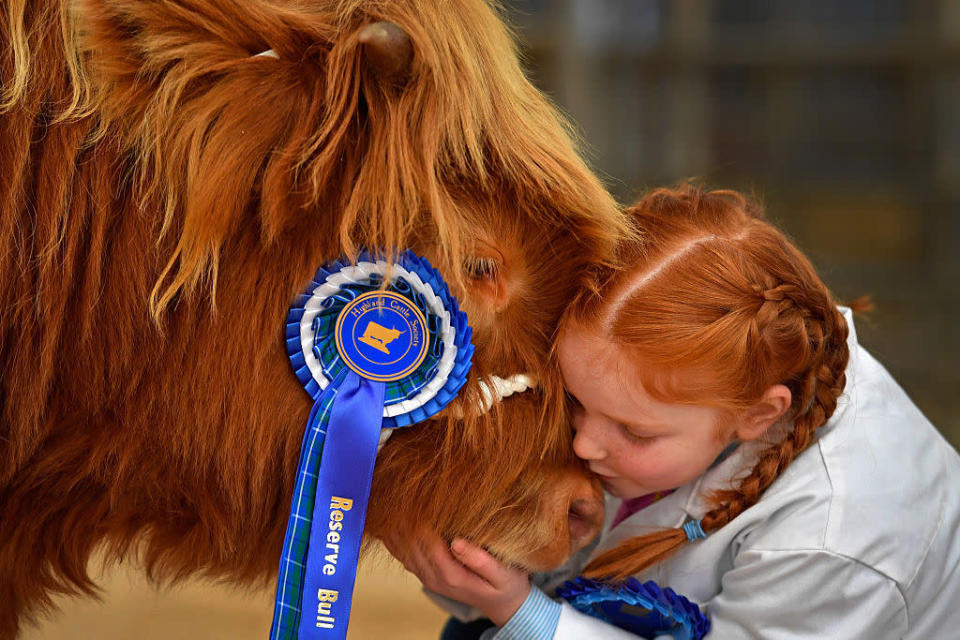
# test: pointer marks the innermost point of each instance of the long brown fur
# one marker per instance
(164, 195)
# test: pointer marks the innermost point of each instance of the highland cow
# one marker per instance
(165, 192)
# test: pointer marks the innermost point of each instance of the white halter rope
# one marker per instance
(491, 393)
(500, 388)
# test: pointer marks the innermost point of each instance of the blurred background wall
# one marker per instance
(843, 116)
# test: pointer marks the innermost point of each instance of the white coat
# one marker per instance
(858, 538)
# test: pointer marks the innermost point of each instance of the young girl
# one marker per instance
(757, 459)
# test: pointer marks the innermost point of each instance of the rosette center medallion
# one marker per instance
(382, 336)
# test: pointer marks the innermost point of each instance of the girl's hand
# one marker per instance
(466, 573)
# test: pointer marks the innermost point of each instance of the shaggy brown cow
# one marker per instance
(165, 193)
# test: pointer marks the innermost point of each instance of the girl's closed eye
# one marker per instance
(634, 436)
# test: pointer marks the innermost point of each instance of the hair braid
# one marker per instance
(815, 390)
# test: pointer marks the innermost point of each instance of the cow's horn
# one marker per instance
(388, 49)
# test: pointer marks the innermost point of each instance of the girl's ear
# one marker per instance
(755, 421)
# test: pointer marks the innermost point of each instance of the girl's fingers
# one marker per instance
(478, 561)
(451, 570)
(464, 572)
(431, 561)
(462, 565)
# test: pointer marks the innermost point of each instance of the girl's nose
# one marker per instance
(585, 445)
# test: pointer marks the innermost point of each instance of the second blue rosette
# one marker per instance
(642, 608)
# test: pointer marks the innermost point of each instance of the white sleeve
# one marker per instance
(793, 595)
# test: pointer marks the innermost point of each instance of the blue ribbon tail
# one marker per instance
(286, 613)
(343, 490)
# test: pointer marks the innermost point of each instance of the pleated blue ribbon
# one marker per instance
(372, 357)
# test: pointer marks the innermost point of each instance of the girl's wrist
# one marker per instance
(503, 611)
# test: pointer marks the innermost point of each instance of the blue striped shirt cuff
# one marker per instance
(536, 619)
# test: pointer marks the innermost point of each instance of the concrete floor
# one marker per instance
(387, 603)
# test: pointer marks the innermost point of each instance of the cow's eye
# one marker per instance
(481, 267)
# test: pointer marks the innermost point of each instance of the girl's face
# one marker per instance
(634, 443)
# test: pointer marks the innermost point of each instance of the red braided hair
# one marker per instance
(717, 294)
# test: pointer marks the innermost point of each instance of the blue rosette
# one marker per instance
(373, 358)
(643, 609)
(316, 362)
